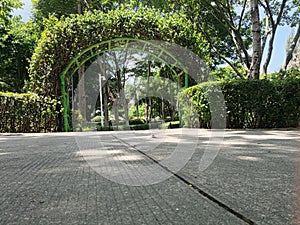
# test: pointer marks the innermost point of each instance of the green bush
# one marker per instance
(137, 121)
(27, 113)
(140, 127)
(268, 103)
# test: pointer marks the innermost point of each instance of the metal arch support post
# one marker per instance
(65, 101)
(186, 80)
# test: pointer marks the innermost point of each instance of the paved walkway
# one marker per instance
(149, 177)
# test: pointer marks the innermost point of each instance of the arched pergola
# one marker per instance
(71, 42)
(152, 48)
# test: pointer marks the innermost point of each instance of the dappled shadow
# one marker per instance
(254, 172)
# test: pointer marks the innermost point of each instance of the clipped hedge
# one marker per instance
(249, 103)
(137, 121)
(27, 113)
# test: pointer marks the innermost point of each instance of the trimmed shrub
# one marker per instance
(140, 127)
(137, 121)
(249, 103)
(28, 113)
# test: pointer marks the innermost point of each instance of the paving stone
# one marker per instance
(60, 178)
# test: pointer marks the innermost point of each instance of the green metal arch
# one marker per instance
(69, 72)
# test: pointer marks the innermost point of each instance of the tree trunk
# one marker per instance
(256, 32)
(150, 108)
(124, 100)
(268, 59)
(125, 106)
(162, 99)
(291, 48)
(105, 104)
(137, 114)
(148, 100)
(118, 99)
(241, 50)
(273, 32)
(136, 101)
(105, 98)
(116, 111)
(79, 6)
(81, 90)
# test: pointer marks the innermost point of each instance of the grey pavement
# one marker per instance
(150, 177)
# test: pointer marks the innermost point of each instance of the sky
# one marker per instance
(25, 12)
(279, 43)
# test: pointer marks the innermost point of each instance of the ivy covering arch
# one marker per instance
(69, 37)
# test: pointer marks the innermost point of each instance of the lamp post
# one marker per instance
(101, 101)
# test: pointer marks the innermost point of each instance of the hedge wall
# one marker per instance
(27, 113)
(249, 103)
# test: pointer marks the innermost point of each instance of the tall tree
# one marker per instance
(256, 43)
(232, 29)
(17, 40)
(244, 27)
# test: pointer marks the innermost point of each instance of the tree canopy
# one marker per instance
(226, 26)
(17, 41)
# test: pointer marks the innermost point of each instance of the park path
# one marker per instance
(65, 179)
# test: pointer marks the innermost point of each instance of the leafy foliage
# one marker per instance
(27, 113)
(46, 8)
(227, 73)
(69, 36)
(58, 8)
(17, 47)
(17, 40)
(221, 29)
(6, 9)
(274, 103)
(227, 26)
